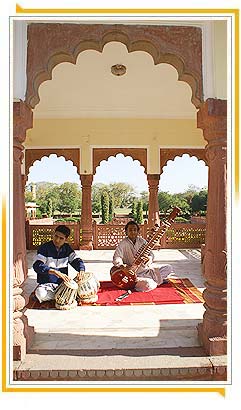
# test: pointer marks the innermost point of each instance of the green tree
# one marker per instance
(165, 201)
(133, 208)
(199, 201)
(49, 207)
(28, 196)
(189, 193)
(145, 201)
(69, 197)
(139, 213)
(44, 191)
(97, 190)
(111, 206)
(123, 194)
(181, 202)
(105, 207)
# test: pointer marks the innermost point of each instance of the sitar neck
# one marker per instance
(158, 233)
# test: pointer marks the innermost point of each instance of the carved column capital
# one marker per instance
(153, 180)
(22, 120)
(212, 118)
(86, 180)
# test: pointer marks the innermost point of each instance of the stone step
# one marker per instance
(109, 339)
(189, 364)
(118, 327)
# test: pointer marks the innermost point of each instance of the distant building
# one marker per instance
(30, 210)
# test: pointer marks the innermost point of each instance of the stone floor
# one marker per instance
(118, 327)
(156, 341)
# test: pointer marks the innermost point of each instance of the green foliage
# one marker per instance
(165, 201)
(49, 207)
(97, 190)
(182, 220)
(181, 203)
(66, 198)
(105, 207)
(189, 202)
(134, 208)
(139, 213)
(38, 214)
(69, 197)
(189, 193)
(199, 201)
(45, 191)
(28, 196)
(111, 206)
(52, 198)
(145, 200)
(123, 194)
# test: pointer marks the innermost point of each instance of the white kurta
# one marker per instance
(149, 276)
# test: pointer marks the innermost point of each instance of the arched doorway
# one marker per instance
(124, 180)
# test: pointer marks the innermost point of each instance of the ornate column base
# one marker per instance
(86, 245)
(22, 332)
(20, 350)
(213, 346)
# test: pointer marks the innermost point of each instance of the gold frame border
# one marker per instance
(20, 10)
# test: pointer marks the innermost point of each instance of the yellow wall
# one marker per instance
(86, 133)
(220, 59)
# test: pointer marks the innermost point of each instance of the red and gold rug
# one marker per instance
(176, 291)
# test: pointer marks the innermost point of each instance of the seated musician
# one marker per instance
(148, 276)
(51, 264)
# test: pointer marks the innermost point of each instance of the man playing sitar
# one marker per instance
(131, 272)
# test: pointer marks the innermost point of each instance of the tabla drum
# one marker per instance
(65, 295)
(88, 287)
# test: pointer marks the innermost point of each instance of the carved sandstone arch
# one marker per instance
(50, 44)
(172, 153)
(101, 154)
(34, 154)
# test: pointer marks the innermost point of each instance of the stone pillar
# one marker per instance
(86, 212)
(212, 118)
(153, 208)
(22, 120)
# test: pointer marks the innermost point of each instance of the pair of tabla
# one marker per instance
(85, 290)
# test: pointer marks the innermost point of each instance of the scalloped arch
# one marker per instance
(102, 154)
(55, 43)
(171, 154)
(70, 154)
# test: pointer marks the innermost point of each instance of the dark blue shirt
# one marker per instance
(48, 256)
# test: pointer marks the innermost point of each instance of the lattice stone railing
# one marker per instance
(184, 236)
(178, 236)
(38, 234)
(108, 236)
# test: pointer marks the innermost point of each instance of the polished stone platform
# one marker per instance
(144, 342)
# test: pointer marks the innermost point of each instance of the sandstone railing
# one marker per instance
(180, 235)
(38, 234)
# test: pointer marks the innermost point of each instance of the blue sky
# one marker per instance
(176, 176)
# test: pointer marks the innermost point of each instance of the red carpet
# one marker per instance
(175, 292)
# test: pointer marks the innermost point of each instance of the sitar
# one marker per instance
(125, 277)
